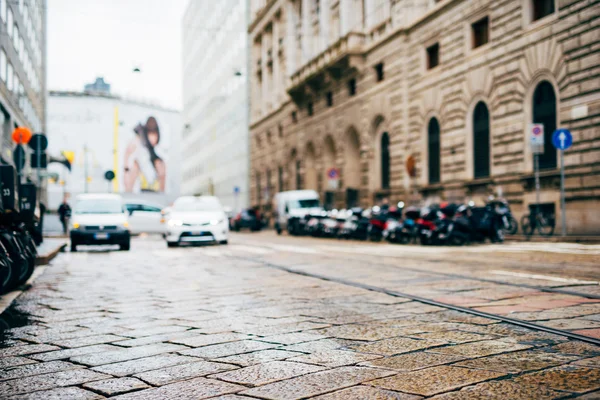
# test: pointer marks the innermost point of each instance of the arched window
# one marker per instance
(433, 146)
(481, 141)
(385, 161)
(544, 112)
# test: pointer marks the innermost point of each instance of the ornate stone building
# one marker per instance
(422, 100)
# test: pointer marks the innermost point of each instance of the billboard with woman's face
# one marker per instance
(144, 163)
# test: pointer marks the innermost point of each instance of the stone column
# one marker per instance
(290, 39)
(324, 23)
(306, 36)
(276, 73)
(265, 73)
(345, 17)
(370, 13)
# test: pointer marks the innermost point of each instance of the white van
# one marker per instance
(292, 207)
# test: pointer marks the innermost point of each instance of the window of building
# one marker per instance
(3, 10)
(329, 97)
(481, 141)
(294, 116)
(310, 108)
(3, 65)
(298, 176)
(352, 87)
(379, 72)
(280, 130)
(9, 22)
(542, 8)
(433, 147)
(280, 179)
(433, 56)
(385, 161)
(480, 31)
(15, 37)
(544, 112)
(258, 188)
(16, 84)
(9, 76)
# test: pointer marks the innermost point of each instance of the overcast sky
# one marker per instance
(90, 38)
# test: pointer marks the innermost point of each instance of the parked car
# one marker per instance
(99, 219)
(292, 208)
(145, 217)
(247, 219)
(196, 219)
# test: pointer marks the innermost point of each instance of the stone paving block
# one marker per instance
(144, 364)
(67, 353)
(113, 387)
(263, 374)
(6, 362)
(502, 390)
(294, 338)
(414, 361)
(430, 381)
(577, 348)
(49, 381)
(176, 373)
(205, 340)
(126, 354)
(317, 383)
(279, 329)
(595, 333)
(193, 389)
(228, 349)
(367, 393)
(362, 332)
(481, 349)
(142, 332)
(455, 337)
(390, 347)
(593, 362)
(166, 337)
(36, 369)
(519, 361)
(69, 393)
(88, 340)
(26, 349)
(334, 358)
(570, 377)
(321, 345)
(570, 324)
(258, 357)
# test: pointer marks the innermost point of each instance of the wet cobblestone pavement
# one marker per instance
(223, 323)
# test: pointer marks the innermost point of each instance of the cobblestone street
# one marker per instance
(272, 317)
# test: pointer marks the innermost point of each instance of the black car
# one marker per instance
(247, 219)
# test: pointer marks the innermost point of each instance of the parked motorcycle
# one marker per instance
(356, 224)
(502, 208)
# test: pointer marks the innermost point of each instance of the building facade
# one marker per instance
(22, 69)
(139, 142)
(422, 101)
(215, 96)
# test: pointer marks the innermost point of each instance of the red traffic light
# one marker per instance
(21, 135)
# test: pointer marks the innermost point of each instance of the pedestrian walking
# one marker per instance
(64, 213)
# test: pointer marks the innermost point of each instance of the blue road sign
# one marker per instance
(236, 189)
(562, 139)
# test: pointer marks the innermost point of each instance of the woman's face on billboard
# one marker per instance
(153, 138)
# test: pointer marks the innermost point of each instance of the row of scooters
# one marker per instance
(438, 224)
(20, 230)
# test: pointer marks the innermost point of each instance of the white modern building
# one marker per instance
(215, 97)
(109, 133)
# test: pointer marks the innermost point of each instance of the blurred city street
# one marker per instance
(273, 317)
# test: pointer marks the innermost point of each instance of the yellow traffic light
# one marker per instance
(89, 179)
(69, 155)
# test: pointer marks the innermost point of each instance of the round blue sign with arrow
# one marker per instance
(562, 139)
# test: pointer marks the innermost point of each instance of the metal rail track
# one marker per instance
(424, 300)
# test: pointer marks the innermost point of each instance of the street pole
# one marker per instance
(115, 182)
(537, 183)
(563, 208)
(85, 171)
(39, 164)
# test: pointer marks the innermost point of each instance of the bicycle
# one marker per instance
(543, 223)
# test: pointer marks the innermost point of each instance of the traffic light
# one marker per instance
(39, 144)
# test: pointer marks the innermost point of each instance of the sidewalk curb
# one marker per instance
(7, 299)
(46, 258)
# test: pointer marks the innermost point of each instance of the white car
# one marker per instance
(99, 219)
(145, 217)
(196, 219)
